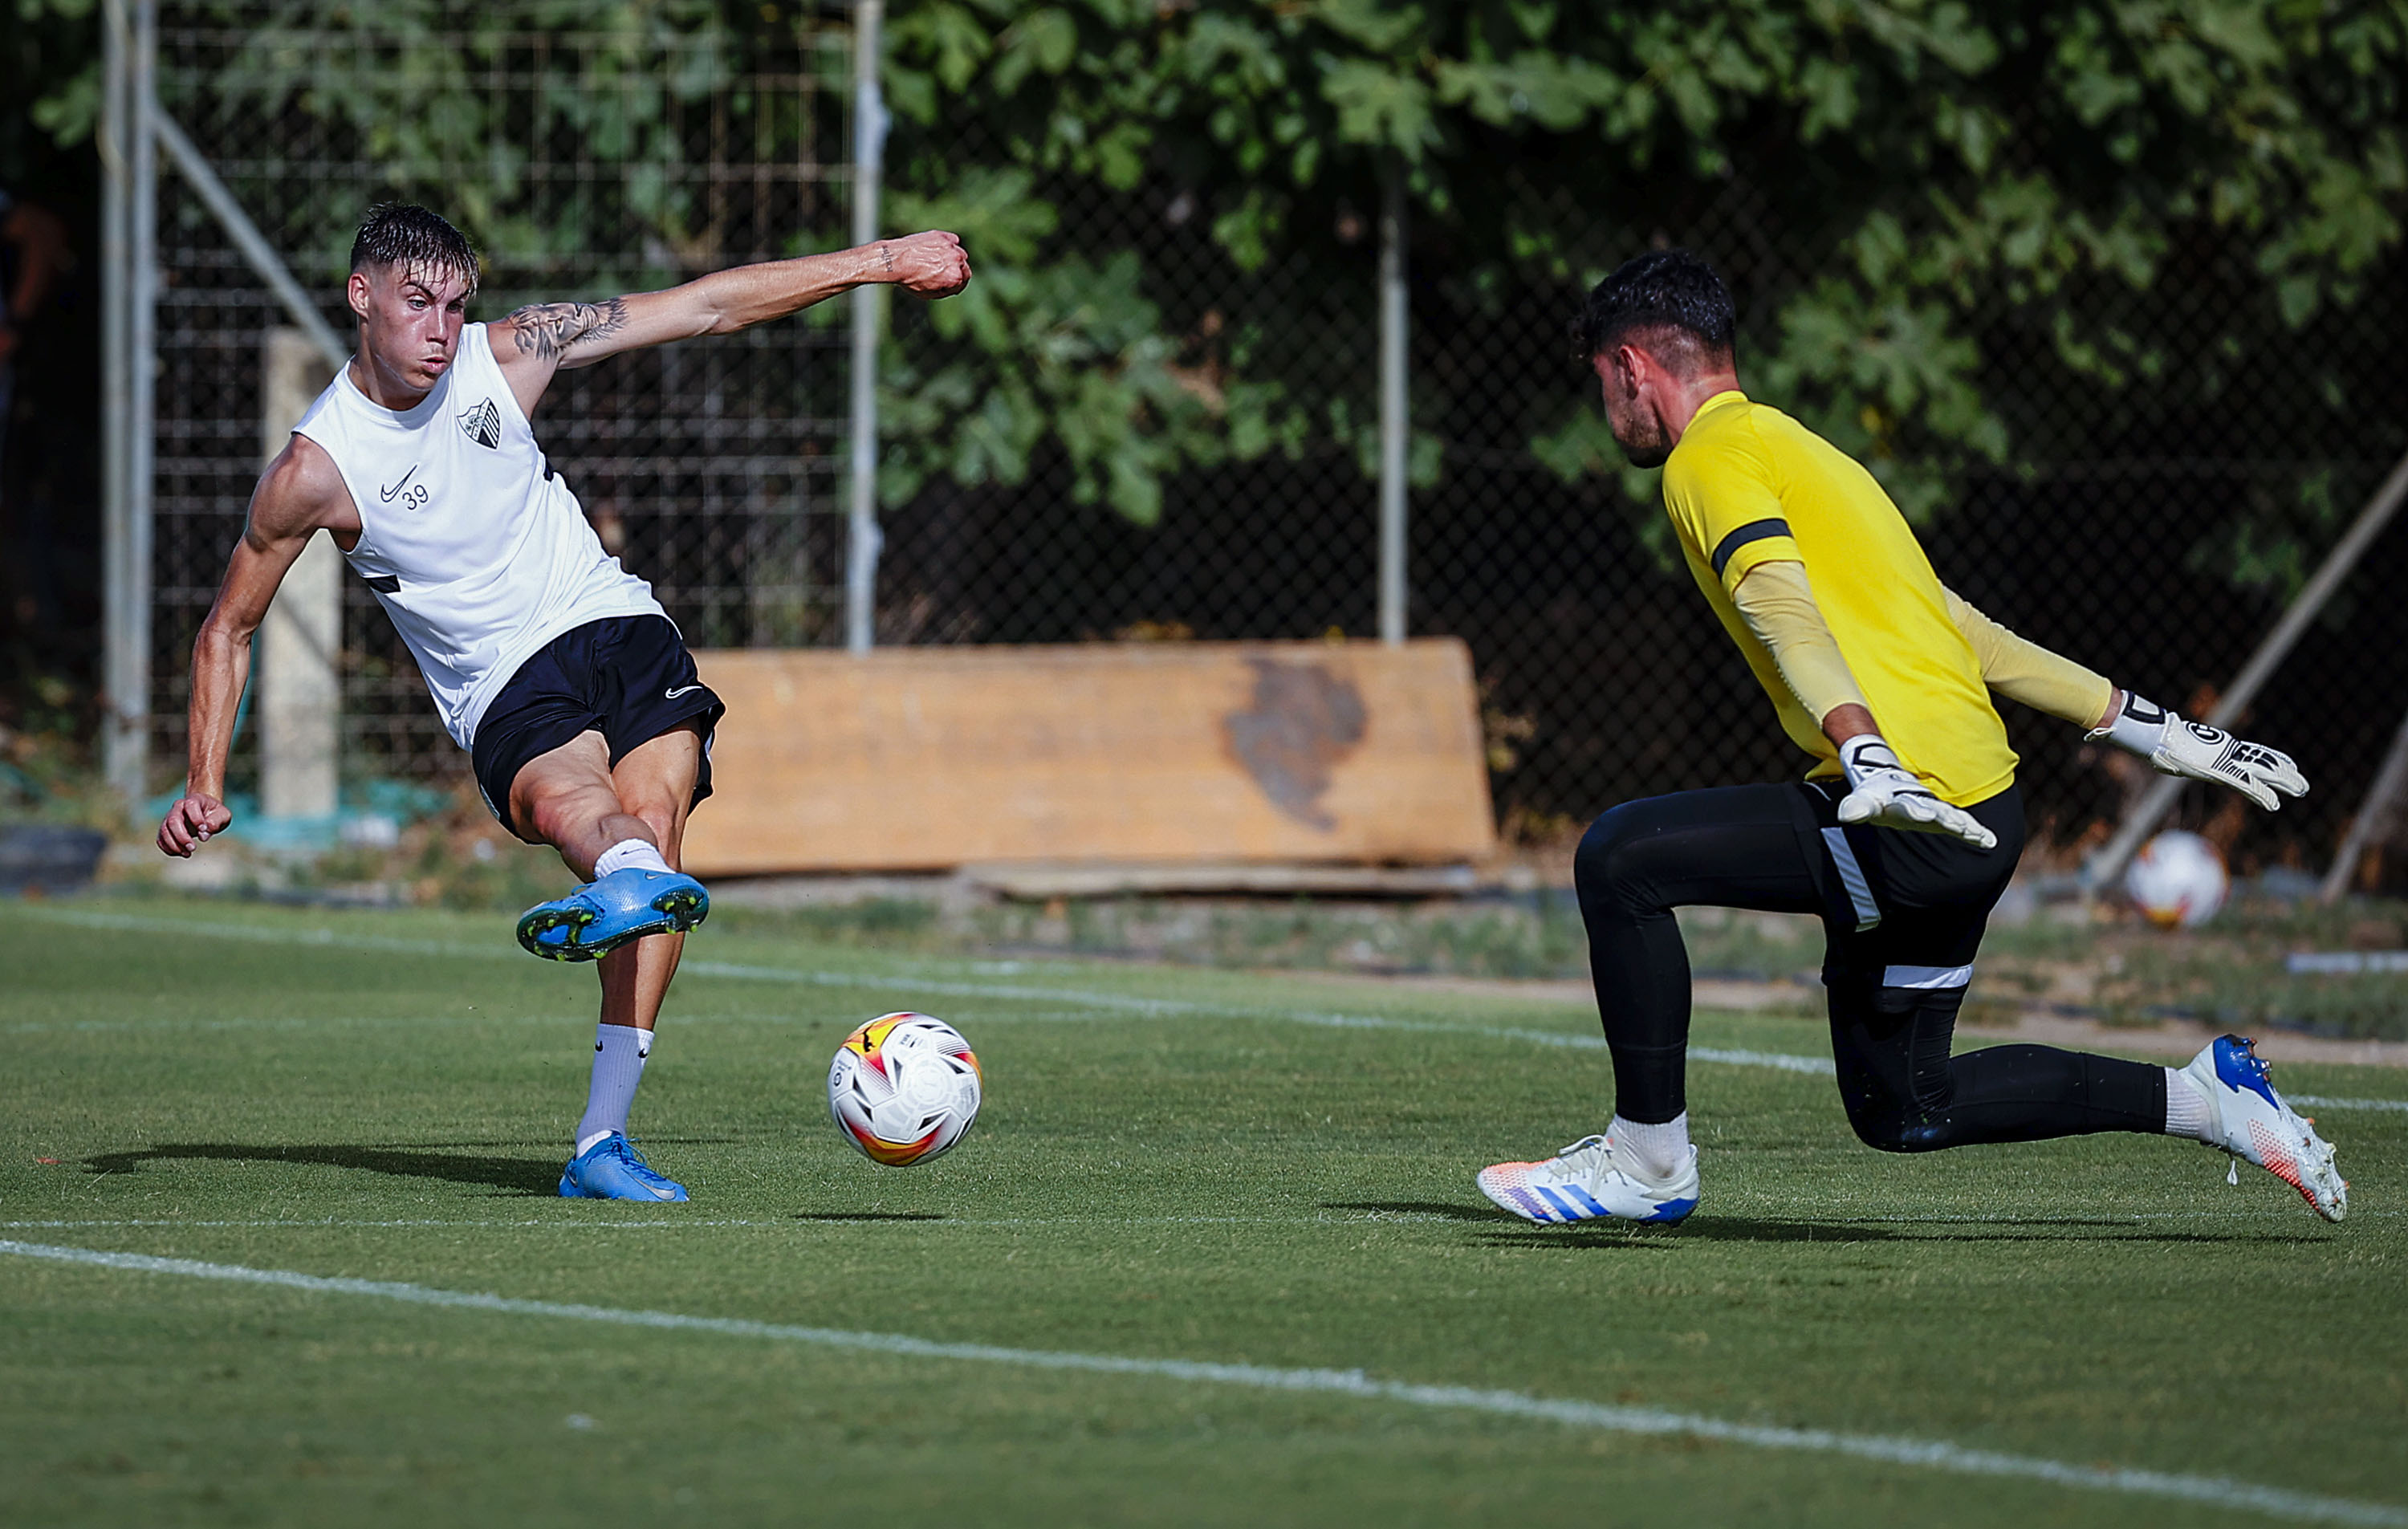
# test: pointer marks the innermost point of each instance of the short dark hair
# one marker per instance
(406, 235)
(1665, 291)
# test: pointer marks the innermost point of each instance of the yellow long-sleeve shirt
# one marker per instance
(1777, 605)
(1748, 485)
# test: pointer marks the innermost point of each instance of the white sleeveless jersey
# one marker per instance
(476, 549)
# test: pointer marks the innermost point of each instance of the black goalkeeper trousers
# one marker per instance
(1903, 914)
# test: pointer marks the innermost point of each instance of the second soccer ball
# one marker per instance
(2177, 879)
(903, 1087)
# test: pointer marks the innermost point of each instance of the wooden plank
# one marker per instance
(924, 758)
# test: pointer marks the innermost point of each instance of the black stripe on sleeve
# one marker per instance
(1752, 531)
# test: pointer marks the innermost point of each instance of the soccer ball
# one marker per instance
(903, 1087)
(2177, 878)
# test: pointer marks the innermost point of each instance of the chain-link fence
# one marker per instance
(2119, 530)
(1282, 546)
(583, 163)
(2127, 528)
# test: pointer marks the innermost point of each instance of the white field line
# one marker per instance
(1123, 1003)
(944, 1223)
(1935, 1454)
(311, 1021)
(308, 1022)
(790, 1223)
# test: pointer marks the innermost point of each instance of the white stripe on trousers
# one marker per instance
(1851, 876)
(1927, 976)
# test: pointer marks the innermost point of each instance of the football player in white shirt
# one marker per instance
(586, 721)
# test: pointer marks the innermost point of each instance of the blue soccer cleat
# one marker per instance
(612, 1169)
(1583, 1183)
(605, 913)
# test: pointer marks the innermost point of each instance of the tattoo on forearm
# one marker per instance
(551, 330)
(886, 252)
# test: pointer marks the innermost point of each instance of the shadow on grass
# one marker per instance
(516, 1175)
(1697, 1229)
(1712, 1228)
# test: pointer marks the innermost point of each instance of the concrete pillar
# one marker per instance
(300, 697)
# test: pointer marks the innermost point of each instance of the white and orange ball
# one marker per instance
(903, 1087)
(2177, 879)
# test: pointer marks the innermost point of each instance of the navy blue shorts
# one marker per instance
(627, 677)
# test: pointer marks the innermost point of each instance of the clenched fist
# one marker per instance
(929, 264)
(190, 822)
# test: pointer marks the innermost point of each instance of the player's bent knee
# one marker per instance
(1877, 1129)
(1605, 865)
(1885, 1128)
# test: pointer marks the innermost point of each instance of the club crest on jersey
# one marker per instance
(483, 425)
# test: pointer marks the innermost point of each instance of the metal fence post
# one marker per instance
(131, 688)
(868, 153)
(121, 745)
(2374, 817)
(1394, 315)
(129, 280)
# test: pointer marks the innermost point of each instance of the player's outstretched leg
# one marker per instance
(1906, 1090)
(2240, 1113)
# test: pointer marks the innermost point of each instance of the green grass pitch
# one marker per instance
(1173, 1165)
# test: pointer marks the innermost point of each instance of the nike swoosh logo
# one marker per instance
(673, 694)
(388, 493)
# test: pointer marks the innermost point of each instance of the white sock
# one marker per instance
(1657, 1152)
(2187, 1113)
(619, 1054)
(626, 853)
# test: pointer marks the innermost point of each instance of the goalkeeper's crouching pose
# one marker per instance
(1902, 835)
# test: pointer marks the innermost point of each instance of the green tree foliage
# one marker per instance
(1051, 340)
(50, 57)
(1967, 216)
(406, 85)
(1952, 182)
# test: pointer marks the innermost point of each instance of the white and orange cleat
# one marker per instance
(1583, 1183)
(2248, 1119)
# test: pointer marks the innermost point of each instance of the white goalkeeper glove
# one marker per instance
(1886, 795)
(2200, 752)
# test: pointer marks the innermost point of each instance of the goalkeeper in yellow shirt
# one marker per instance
(1903, 834)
